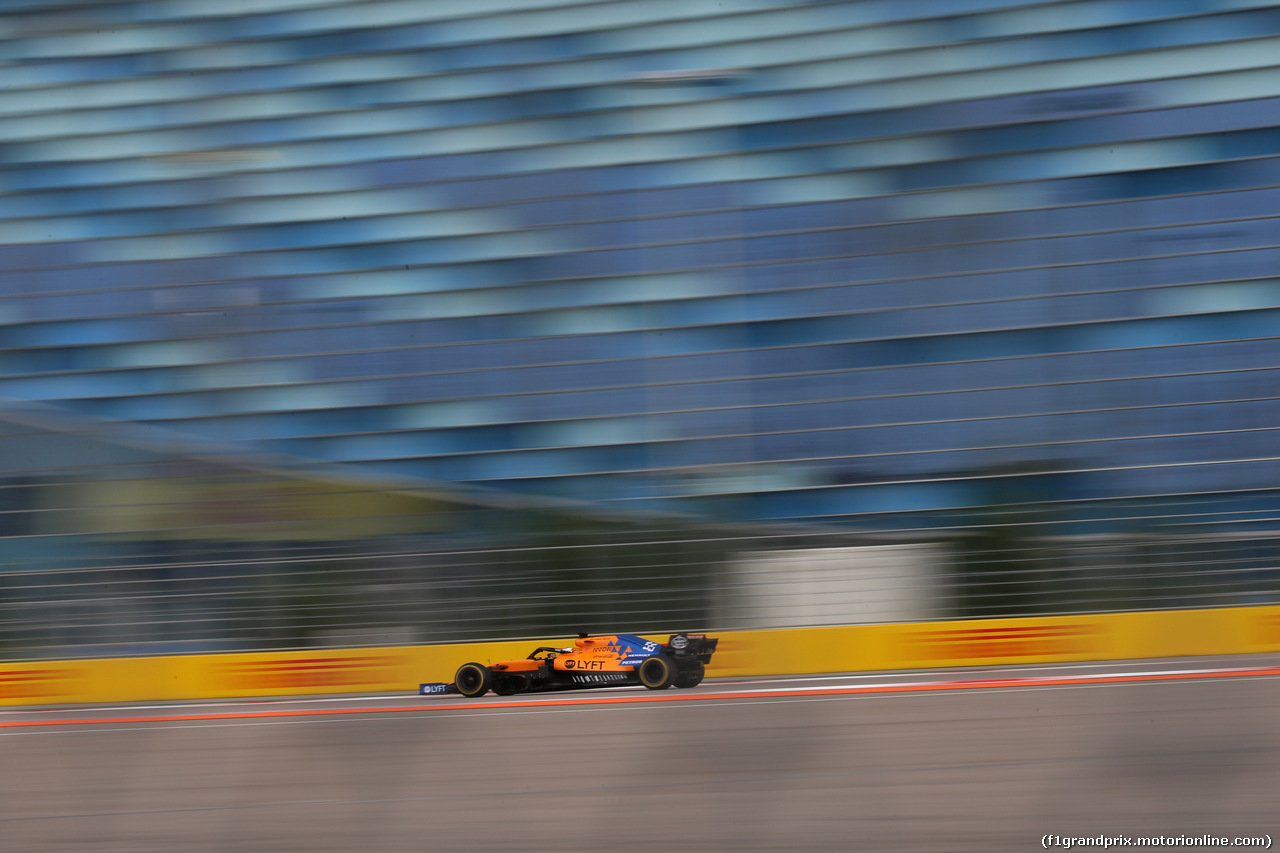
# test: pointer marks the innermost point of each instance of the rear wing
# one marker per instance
(691, 645)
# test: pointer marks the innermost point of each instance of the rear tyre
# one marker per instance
(691, 676)
(473, 679)
(658, 672)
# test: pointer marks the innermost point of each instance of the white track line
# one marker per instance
(851, 681)
(572, 709)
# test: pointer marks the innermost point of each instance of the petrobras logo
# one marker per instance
(634, 660)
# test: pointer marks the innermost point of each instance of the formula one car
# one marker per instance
(614, 661)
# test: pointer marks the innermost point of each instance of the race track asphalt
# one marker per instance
(769, 765)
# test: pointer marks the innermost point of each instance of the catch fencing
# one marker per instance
(245, 563)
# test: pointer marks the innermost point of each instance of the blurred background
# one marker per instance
(341, 323)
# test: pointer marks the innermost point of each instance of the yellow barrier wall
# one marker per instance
(856, 648)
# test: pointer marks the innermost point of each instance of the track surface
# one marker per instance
(979, 760)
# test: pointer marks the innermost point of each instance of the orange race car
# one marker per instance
(615, 661)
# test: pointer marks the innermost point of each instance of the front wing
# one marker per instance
(436, 688)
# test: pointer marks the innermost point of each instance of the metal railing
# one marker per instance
(489, 573)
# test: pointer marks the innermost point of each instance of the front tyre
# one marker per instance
(658, 672)
(473, 679)
(691, 676)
